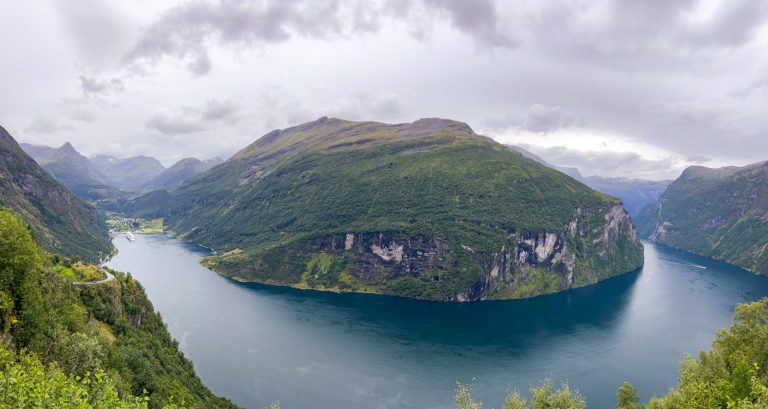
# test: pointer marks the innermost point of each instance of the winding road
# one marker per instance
(109, 278)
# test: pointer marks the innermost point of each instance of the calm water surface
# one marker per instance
(258, 344)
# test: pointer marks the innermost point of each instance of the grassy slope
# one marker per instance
(720, 213)
(61, 222)
(434, 179)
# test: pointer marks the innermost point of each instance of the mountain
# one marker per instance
(129, 173)
(102, 342)
(179, 173)
(61, 222)
(635, 193)
(72, 169)
(428, 210)
(720, 213)
(570, 171)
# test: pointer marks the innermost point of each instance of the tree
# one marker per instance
(546, 397)
(464, 398)
(628, 398)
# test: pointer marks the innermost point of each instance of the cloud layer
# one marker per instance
(610, 86)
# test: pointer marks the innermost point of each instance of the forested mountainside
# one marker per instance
(428, 210)
(719, 213)
(60, 221)
(634, 193)
(69, 344)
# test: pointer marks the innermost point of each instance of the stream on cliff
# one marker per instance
(257, 344)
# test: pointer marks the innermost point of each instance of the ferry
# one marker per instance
(130, 236)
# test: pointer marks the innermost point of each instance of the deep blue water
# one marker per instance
(257, 344)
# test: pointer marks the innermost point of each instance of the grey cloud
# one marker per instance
(698, 159)
(364, 106)
(732, 24)
(652, 33)
(759, 83)
(214, 110)
(479, 19)
(101, 32)
(539, 118)
(47, 125)
(94, 85)
(543, 119)
(616, 163)
(185, 31)
(170, 123)
(193, 119)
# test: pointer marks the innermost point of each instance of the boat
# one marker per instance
(130, 236)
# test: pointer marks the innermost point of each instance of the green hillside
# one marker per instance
(61, 222)
(427, 210)
(66, 345)
(720, 213)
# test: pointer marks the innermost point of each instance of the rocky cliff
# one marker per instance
(428, 210)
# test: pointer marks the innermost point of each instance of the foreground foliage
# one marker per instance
(545, 396)
(101, 345)
(732, 375)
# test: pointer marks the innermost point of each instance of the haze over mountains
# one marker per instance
(103, 177)
(635, 193)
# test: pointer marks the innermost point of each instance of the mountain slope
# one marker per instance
(110, 329)
(129, 173)
(70, 168)
(61, 222)
(427, 210)
(635, 193)
(180, 172)
(720, 213)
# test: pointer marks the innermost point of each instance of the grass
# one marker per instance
(151, 226)
(79, 272)
(279, 197)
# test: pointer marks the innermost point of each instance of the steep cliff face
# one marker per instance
(428, 210)
(598, 243)
(720, 213)
(62, 223)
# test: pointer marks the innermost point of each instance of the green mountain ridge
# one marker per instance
(427, 210)
(719, 213)
(61, 222)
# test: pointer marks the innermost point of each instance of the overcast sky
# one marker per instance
(612, 87)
